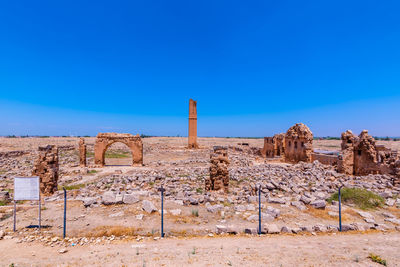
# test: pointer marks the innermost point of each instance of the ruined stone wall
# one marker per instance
(192, 135)
(365, 155)
(274, 146)
(82, 152)
(361, 155)
(298, 144)
(326, 159)
(104, 140)
(346, 157)
(268, 150)
(279, 145)
(219, 173)
(46, 167)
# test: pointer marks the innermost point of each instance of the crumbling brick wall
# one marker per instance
(82, 152)
(219, 173)
(46, 167)
(298, 144)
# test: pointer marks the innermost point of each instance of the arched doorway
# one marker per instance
(105, 140)
(117, 154)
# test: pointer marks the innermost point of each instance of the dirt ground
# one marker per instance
(191, 239)
(322, 250)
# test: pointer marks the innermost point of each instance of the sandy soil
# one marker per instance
(326, 250)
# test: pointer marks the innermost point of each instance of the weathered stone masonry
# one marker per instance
(82, 152)
(104, 140)
(192, 139)
(46, 167)
(361, 155)
(219, 173)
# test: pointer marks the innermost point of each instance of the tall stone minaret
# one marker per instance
(192, 142)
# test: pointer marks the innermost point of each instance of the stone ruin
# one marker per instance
(104, 140)
(82, 152)
(219, 173)
(46, 167)
(298, 143)
(361, 155)
(192, 139)
(294, 146)
(274, 146)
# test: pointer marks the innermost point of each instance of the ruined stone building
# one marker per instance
(274, 146)
(104, 140)
(46, 167)
(82, 152)
(360, 155)
(298, 143)
(192, 139)
(294, 146)
(219, 173)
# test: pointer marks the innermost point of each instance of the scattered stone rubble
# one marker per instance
(297, 187)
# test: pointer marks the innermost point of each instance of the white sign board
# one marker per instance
(26, 188)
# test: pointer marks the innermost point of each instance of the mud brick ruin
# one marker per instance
(361, 155)
(104, 140)
(46, 167)
(82, 152)
(219, 173)
(192, 140)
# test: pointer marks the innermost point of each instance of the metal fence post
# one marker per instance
(259, 209)
(65, 211)
(162, 210)
(340, 209)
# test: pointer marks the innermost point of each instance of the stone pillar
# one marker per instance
(192, 142)
(82, 152)
(46, 167)
(219, 173)
(346, 157)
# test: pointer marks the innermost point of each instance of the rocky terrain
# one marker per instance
(120, 202)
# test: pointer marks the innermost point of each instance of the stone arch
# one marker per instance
(104, 140)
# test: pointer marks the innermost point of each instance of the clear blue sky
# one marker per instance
(255, 67)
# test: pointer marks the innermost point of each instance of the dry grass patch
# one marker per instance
(323, 214)
(350, 212)
(111, 230)
(182, 219)
(395, 211)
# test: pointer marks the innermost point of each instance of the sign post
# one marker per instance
(259, 209)
(26, 188)
(15, 215)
